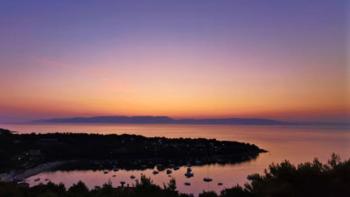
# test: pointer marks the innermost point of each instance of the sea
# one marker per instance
(293, 143)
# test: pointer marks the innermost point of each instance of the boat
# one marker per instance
(155, 172)
(189, 174)
(168, 171)
(187, 183)
(20, 181)
(207, 179)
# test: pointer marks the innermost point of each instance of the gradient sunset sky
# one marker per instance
(188, 58)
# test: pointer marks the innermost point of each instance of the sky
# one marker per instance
(186, 58)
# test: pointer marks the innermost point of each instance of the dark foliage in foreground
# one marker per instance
(307, 179)
(284, 179)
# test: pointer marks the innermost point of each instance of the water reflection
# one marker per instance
(296, 144)
(234, 174)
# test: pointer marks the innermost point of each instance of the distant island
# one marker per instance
(162, 120)
(169, 120)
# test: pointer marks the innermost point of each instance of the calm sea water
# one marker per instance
(294, 143)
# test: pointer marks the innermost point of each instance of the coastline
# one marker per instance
(34, 153)
(20, 175)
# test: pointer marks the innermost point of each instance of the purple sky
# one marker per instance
(279, 59)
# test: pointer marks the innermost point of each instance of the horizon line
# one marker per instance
(163, 119)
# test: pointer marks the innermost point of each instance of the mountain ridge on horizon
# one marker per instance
(161, 120)
(144, 119)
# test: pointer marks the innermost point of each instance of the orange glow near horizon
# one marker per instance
(178, 91)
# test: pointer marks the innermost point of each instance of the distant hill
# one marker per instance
(161, 120)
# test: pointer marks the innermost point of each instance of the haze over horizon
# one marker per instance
(183, 59)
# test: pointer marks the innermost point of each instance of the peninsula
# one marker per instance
(25, 151)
